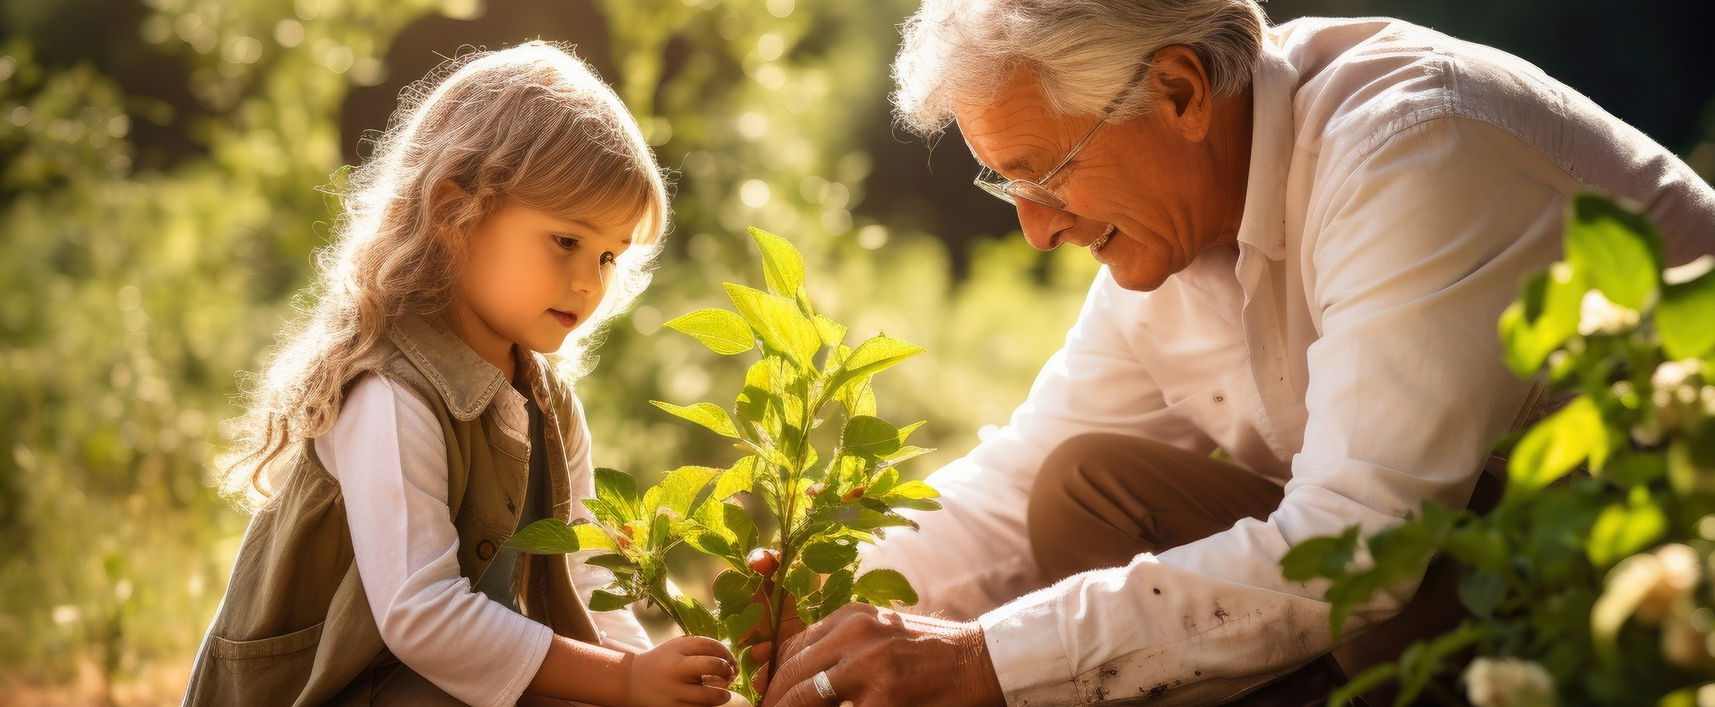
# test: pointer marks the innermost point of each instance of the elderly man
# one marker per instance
(1308, 232)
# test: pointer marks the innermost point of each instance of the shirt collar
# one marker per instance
(1263, 225)
(465, 381)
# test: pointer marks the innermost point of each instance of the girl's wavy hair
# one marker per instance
(531, 124)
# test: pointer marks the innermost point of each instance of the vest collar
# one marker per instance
(465, 381)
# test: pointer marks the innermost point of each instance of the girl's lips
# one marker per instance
(566, 320)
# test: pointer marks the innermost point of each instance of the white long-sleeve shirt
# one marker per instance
(1401, 186)
(387, 452)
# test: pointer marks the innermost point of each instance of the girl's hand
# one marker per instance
(671, 674)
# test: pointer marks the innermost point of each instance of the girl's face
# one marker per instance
(530, 277)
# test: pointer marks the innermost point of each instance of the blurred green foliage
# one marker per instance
(168, 166)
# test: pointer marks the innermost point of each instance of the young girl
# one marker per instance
(410, 424)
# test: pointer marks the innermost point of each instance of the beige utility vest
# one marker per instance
(295, 626)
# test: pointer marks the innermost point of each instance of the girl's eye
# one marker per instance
(566, 243)
(609, 258)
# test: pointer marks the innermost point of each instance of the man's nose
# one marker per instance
(1043, 226)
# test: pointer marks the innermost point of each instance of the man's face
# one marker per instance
(531, 277)
(1143, 176)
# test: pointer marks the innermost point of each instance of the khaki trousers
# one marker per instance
(1103, 498)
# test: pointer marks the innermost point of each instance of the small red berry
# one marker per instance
(764, 560)
(854, 494)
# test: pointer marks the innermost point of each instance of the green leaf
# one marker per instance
(708, 415)
(914, 489)
(548, 536)
(883, 587)
(758, 394)
(618, 488)
(870, 437)
(613, 561)
(1556, 445)
(682, 485)
(1481, 592)
(858, 399)
(733, 591)
(1479, 546)
(1544, 317)
(912, 494)
(741, 623)
(1632, 468)
(1371, 678)
(906, 453)
(698, 620)
(1423, 659)
(1686, 315)
(836, 592)
(884, 481)
(869, 358)
(722, 331)
(738, 478)
(1691, 464)
(1625, 529)
(603, 600)
(779, 323)
(591, 537)
(1326, 556)
(801, 581)
(660, 532)
(611, 511)
(832, 332)
(830, 555)
(782, 265)
(1617, 249)
(708, 531)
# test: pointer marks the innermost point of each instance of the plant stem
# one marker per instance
(788, 505)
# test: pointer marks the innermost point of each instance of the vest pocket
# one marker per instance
(264, 669)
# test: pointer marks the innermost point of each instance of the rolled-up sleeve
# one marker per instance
(1418, 250)
(974, 554)
(387, 452)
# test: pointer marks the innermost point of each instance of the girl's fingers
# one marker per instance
(696, 666)
(702, 695)
(702, 645)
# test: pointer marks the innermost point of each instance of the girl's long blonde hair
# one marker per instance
(532, 124)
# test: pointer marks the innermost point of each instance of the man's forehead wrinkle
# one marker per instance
(1018, 131)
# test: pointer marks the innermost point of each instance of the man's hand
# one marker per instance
(876, 657)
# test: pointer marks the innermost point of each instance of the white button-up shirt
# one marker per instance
(1402, 184)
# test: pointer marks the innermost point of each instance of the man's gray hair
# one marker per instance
(1084, 52)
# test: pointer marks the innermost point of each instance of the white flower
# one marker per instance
(1598, 315)
(1671, 375)
(1677, 575)
(1679, 397)
(1508, 682)
(1682, 644)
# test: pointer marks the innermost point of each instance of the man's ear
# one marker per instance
(1183, 95)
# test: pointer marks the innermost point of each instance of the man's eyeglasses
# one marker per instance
(1010, 190)
(1036, 190)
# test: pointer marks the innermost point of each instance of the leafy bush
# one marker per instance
(820, 505)
(1589, 582)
